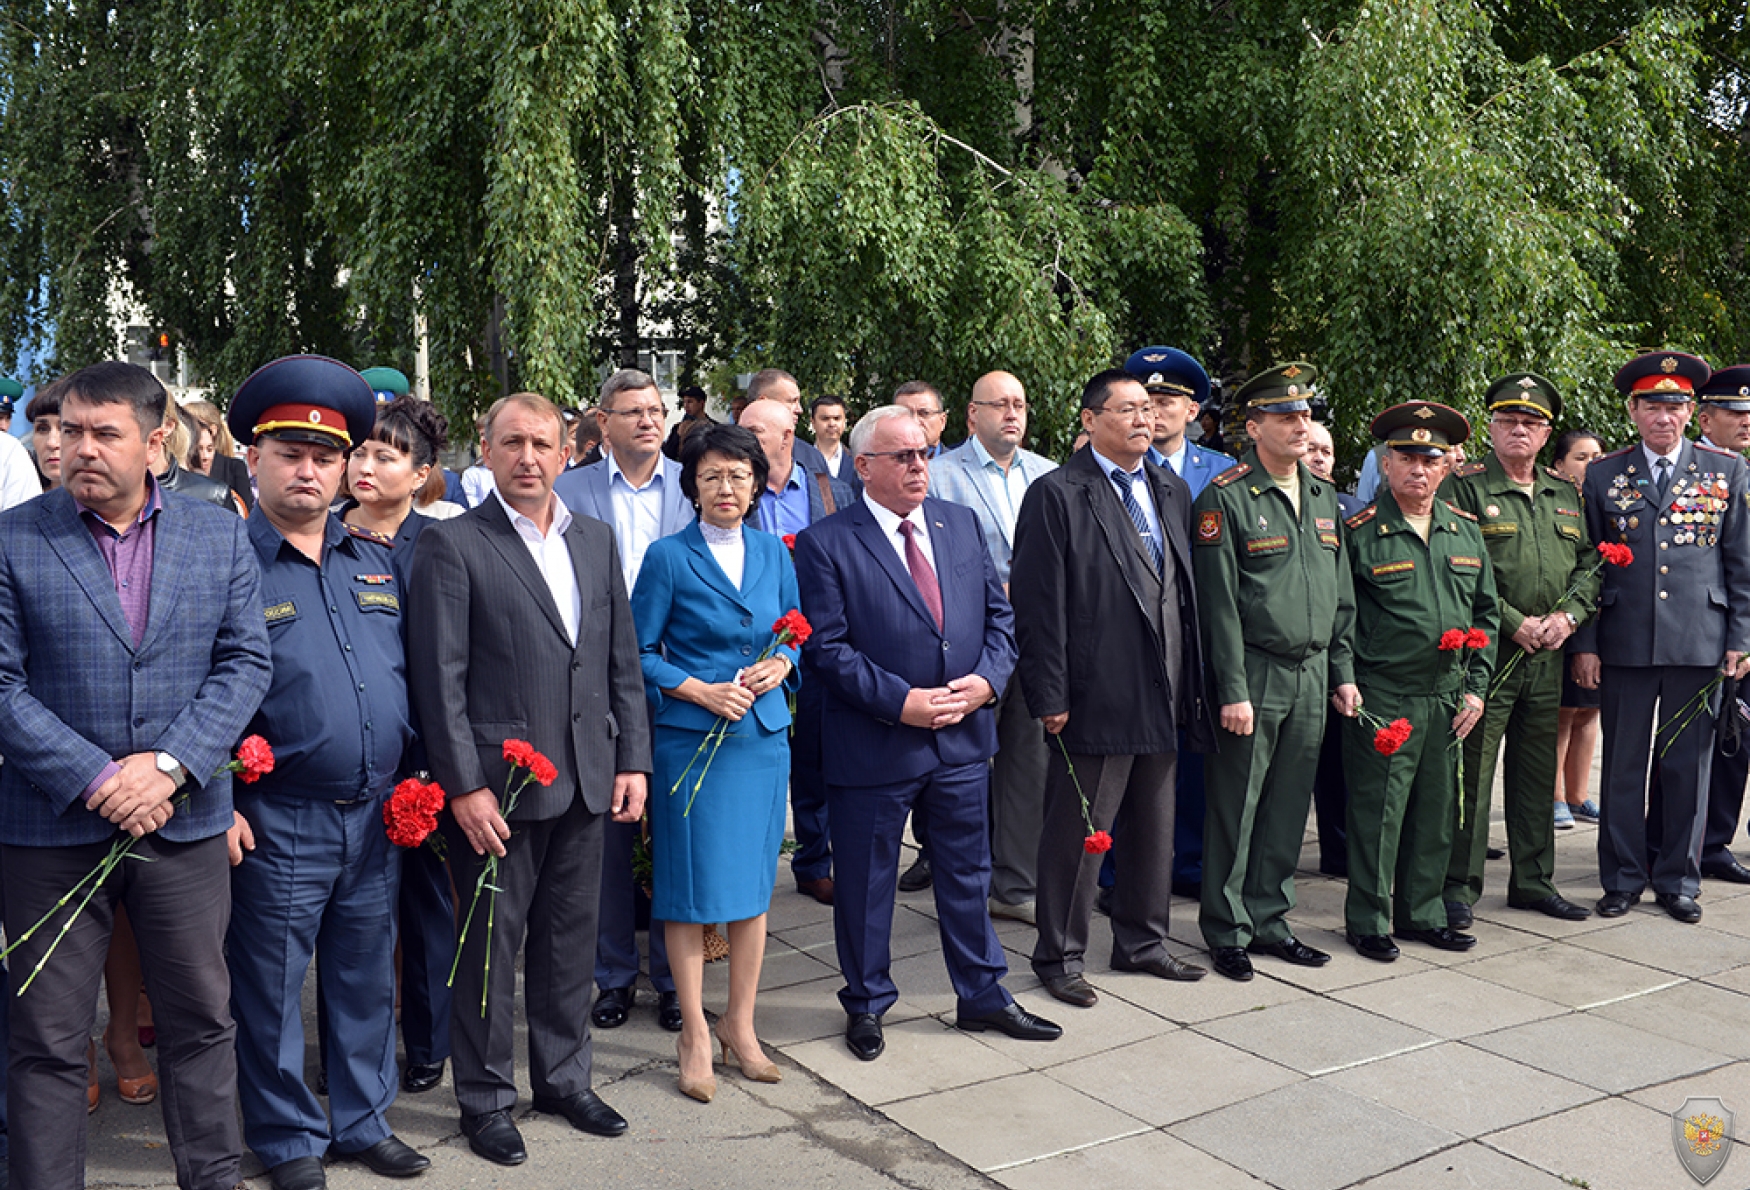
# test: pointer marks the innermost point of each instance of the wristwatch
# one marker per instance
(1572, 622)
(168, 765)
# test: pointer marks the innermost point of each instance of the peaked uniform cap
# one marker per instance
(1421, 427)
(1670, 377)
(387, 383)
(1169, 370)
(305, 398)
(1525, 392)
(1286, 388)
(1729, 388)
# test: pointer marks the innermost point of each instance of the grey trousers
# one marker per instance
(552, 877)
(1132, 797)
(179, 904)
(1017, 799)
(1631, 739)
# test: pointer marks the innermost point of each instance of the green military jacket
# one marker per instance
(1267, 579)
(1408, 593)
(1537, 544)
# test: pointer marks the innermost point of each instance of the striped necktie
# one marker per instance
(1122, 481)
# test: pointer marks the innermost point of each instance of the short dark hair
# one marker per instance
(588, 429)
(732, 442)
(47, 401)
(413, 427)
(815, 405)
(115, 383)
(764, 379)
(1099, 387)
(1566, 440)
(913, 387)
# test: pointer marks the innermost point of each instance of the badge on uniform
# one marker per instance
(375, 580)
(281, 611)
(1386, 568)
(377, 601)
(1209, 527)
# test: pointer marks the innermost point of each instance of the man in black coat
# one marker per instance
(1106, 618)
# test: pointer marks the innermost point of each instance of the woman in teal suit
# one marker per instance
(705, 603)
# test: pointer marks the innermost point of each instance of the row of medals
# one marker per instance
(1700, 504)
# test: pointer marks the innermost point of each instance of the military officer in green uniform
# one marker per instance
(1276, 604)
(1422, 581)
(1536, 535)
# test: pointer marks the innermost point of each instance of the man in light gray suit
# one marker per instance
(522, 630)
(636, 490)
(990, 474)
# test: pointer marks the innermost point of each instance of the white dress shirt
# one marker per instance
(552, 558)
(18, 477)
(637, 517)
(835, 460)
(1653, 458)
(889, 522)
(728, 547)
(1139, 488)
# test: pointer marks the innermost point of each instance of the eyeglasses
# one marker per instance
(905, 458)
(1005, 406)
(653, 412)
(1128, 412)
(730, 479)
(1519, 423)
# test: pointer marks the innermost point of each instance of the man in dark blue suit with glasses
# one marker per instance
(912, 640)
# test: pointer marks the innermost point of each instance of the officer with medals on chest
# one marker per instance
(1668, 624)
(1277, 605)
(1536, 534)
(314, 872)
(1422, 579)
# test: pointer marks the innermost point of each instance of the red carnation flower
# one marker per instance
(789, 540)
(409, 813)
(793, 628)
(254, 758)
(542, 769)
(519, 752)
(1097, 842)
(1616, 555)
(1388, 739)
(1476, 638)
(1452, 640)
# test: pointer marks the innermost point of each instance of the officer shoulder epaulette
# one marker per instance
(1362, 517)
(1232, 473)
(1554, 474)
(1469, 516)
(371, 535)
(1613, 454)
(1471, 469)
(1717, 450)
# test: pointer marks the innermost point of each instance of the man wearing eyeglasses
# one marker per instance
(921, 397)
(1536, 536)
(1106, 618)
(636, 490)
(990, 474)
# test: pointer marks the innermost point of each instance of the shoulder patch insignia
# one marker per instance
(371, 535)
(1209, 527)
(1362, 517)
(1232, 473)
(1472, 469)
(1469, 516)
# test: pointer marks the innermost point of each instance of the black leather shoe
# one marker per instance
(1440, 938)
(322, 1081)
(390, 1158)
(493, 1135)
(1072, 989)
(1728, 869)
(1554, 906)
(586, 1111)
(300, 1173)
(668, 1011)
(1231, 961)
(1165, 967)
(1332, 867)
(612, 1007)
(863, 1035)
(917, 877)
(1184, 888)
(1494, 853)
(1011, 1020)
(1458, 915)
(419, 1078)
(1103, 902)
(1373, 946)
(1683, 908)
(1292, 950)
(1615, 904)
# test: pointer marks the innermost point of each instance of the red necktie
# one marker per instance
(921, 574)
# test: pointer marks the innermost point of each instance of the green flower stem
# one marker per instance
(1686, 714)
(488, 882)
(1087, 816)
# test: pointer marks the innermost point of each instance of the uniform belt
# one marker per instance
(1286, 658)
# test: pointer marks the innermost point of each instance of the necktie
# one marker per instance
(921, 574)
(1662, 478)
(1136, 518)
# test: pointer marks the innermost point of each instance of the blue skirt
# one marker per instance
(718, 862)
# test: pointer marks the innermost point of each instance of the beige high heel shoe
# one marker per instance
(702, 1089)
(766, 1072)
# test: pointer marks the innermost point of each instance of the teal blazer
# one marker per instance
(693, 623)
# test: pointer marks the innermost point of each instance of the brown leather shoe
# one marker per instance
(1072, 989)
(820, 890)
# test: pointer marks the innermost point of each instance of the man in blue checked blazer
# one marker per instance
(990, 474)
(636, 491)
(132, 654)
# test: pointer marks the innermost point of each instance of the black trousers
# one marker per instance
(180, 905)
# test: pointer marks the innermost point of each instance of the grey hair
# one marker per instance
(626, 380)
(865, 427)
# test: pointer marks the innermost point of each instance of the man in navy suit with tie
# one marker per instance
(912, 640)
(637, 491)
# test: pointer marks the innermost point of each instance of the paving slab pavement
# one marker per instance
(1551, 1055)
